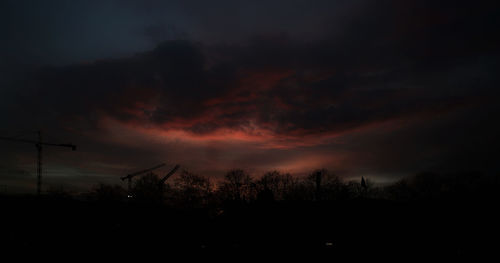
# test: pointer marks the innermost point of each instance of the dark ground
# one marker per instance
(357, 229)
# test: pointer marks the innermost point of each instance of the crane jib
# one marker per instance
(141, 172)
(38, 144)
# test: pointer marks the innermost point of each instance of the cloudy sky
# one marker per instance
(381, 88)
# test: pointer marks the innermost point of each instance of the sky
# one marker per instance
(382, 89)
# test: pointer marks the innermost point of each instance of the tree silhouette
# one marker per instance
(108, 193)
(149, 189)
(433, 186)
(275, 185)
(326, 185)
(237, 186)
(192, 189)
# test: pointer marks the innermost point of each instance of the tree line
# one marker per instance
(193, 190)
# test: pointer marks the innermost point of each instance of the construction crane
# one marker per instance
(132, 175)
(162, 181)
(38, 144)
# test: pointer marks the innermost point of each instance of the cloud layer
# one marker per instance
(386, 89)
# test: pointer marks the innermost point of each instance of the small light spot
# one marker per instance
(329, 244)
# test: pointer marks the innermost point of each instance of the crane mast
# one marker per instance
(38, 144)
(39, 164)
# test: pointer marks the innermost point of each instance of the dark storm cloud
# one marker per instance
(389, 63)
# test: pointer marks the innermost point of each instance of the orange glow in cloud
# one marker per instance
(253, 146)
(307, 163)
(251, 134)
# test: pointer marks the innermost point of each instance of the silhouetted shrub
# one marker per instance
(432, 186)
(108, 193)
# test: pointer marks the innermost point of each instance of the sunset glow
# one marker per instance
(384, 89)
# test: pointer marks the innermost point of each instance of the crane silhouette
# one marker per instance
(132, 175)
(162, 181)
(39, 144)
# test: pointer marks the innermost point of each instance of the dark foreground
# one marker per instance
(361, 228)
